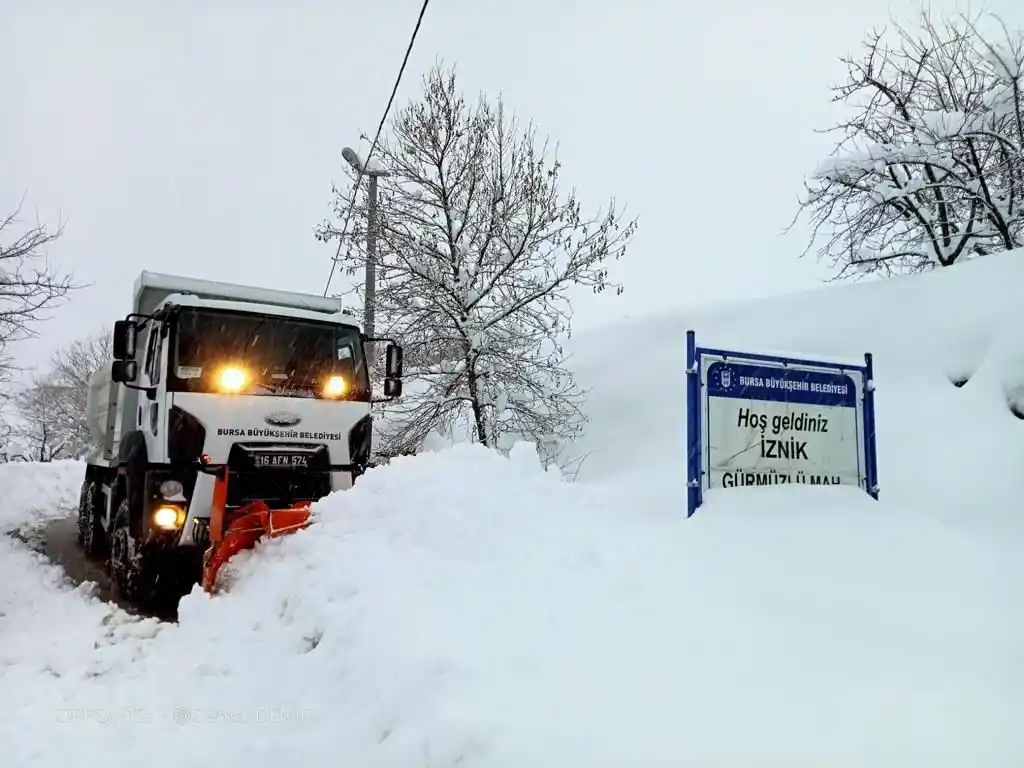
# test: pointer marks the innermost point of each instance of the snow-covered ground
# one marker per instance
(463, 608)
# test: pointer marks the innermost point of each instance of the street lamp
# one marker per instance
(370, 289)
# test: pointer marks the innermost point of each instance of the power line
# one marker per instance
(373, 146)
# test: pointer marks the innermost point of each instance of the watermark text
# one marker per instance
(182, 715)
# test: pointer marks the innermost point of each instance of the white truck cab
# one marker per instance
(271, 385)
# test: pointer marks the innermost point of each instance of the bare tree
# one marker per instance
(72, 367)
(51, 411)
(39, 433)
(478, 253)
(929, 169)
(29, 285)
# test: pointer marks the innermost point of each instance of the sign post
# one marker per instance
(755, 420)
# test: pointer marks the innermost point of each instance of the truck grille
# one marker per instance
(280, 474)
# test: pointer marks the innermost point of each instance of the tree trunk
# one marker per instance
(479, 417)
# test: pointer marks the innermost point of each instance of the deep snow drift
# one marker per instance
(957, 452)
(462, 608)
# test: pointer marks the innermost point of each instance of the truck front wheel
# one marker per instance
(147, 578)
(91, 536)
(127, 567)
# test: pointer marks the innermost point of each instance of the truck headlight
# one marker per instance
(232, 378)
(168, 518)
(335, 386)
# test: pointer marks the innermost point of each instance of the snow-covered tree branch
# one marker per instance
(478, 254)
(5, 433)
(929, 169)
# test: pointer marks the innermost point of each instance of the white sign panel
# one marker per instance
(767, 422)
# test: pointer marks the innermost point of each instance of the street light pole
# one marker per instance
(370, 289)
(370, 286)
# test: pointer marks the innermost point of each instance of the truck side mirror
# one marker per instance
(393, 366)
(124, 371)
(126, 336)
(393, 372)
(392, 388)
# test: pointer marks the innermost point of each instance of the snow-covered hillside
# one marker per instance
(959, 452)
(462, 608)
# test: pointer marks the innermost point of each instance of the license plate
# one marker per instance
(280, 460)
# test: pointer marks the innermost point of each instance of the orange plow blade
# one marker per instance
(247, 526)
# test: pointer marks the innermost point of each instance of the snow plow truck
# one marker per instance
(224, 412)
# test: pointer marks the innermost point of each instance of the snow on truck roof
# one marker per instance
(189, 300)
(153, 288)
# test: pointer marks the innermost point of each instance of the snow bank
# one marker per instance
(33, 492)
(51, 633)
(472, 607)
(463, 608)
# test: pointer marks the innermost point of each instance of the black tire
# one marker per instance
(124, 568)
(128, 570)
(91, 536)
(152, 580)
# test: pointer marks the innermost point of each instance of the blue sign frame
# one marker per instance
(821, 382)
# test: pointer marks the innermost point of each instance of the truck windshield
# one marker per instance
(265, 355)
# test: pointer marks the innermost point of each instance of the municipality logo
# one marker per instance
(722, 378)
(282, 419)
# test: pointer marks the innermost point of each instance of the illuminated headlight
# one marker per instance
(171, 488)
(335, 386)
(232, 379)
(168, 518)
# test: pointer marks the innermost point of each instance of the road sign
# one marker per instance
(756, 419)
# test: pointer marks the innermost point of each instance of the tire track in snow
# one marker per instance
(57, 541)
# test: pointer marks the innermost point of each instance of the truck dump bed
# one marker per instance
(152, 287)
(102, 413)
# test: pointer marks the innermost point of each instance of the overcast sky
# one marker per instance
(203, 138)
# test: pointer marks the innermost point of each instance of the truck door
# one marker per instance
(152, 407)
